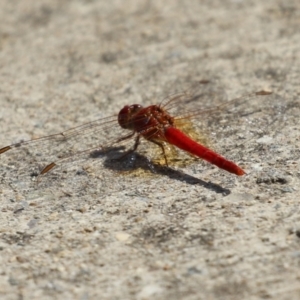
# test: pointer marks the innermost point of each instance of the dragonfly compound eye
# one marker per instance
(126, 115)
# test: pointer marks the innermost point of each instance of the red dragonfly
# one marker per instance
(154, 123)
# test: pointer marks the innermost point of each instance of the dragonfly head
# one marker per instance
(126, 114)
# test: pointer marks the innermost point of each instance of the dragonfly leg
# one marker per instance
(135, 146)
(163, 150)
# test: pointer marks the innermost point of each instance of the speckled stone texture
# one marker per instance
(109, 229)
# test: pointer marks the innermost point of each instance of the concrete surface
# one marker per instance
(98, 228)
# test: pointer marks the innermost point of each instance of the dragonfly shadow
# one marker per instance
(189, 179)
(116, 161)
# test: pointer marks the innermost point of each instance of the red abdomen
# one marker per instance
(177, 138)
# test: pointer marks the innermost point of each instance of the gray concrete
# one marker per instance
(132, 229)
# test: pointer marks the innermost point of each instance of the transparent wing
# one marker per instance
(23, 162)
(252, 122)
(206, 106)
(232, 125)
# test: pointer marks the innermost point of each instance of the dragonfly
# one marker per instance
(161, 124)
